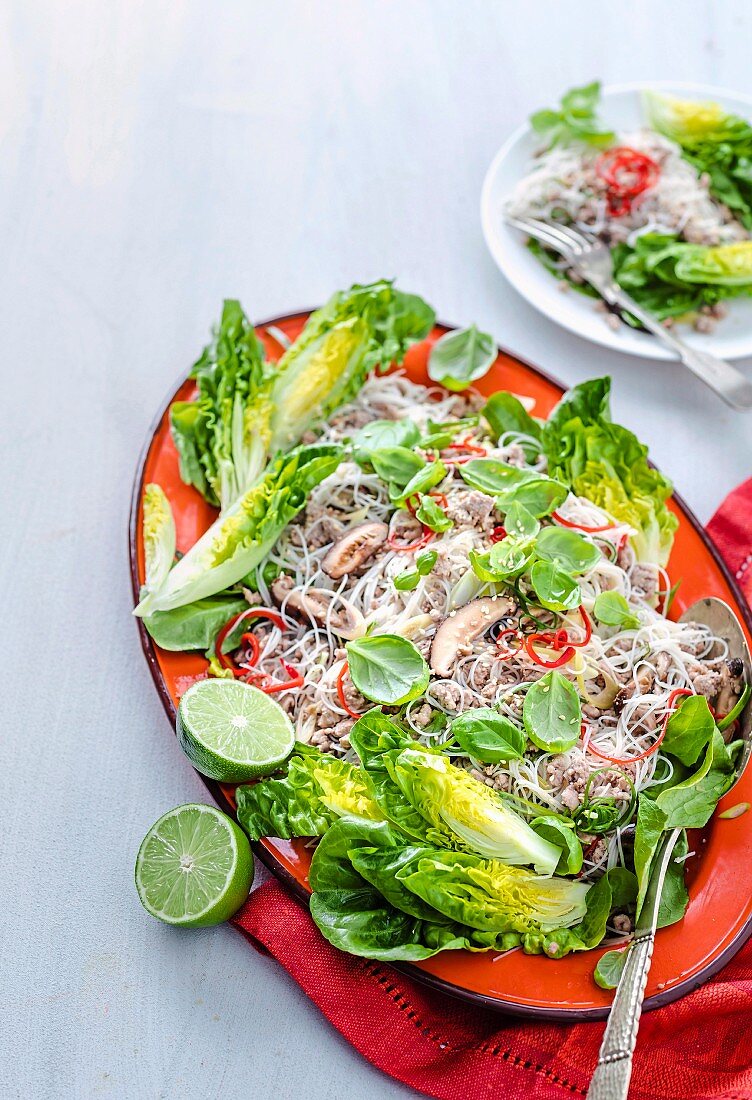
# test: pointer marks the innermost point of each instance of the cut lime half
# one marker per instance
(232, 732)
(194, 867)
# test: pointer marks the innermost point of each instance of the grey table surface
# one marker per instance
(156, 156)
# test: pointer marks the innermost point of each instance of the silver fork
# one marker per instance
(591, 259)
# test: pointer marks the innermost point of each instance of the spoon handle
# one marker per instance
(614, 1070)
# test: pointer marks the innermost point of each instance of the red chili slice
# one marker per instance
(472, 449)
(627, 173)
(341, 691)
(296, 680)
(678, 693)
(510, 632)
(551, 641)
(498, 534)
(588, 628)
(581, 526)
(250, 613)
(424, 540)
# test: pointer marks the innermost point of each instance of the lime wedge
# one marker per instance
(232, 732)
(194, 867)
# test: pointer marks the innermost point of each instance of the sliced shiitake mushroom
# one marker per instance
(343, 618)
(354, 548)
(461, 627)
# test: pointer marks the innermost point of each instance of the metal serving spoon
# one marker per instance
(612, 1074)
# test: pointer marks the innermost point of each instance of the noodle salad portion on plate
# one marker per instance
(672, 198)
(463, 612)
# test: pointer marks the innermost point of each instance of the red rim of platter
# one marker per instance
(719, 876)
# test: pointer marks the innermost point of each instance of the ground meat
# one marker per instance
(644, 680)
(253, 599)
(622, 923)
(470, 508)
(644, 578)
(597, 850)
(349, 420)
(569, 772)
(423, 715)
(324, 740)
(492, 776)
(731, 686)
(447, 694)
(353, 698)
(324, 531)
(514, 453)
(706, 681)
(405, 528)
(704, 324)
(693, 645)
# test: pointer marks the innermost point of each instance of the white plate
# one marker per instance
(620, 110)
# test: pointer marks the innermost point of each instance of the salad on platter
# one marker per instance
(672, 200)
(437, 628)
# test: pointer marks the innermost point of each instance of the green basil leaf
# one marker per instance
(396, 465)
(611, 609)
(651, 821)
(551, 713)
(431, 515)
(489, 736)
(481, 566)
(556, 589)
(426, 479)
(380, 434)
(608, 969)
(425, 561)
(674, 896)
(492, 476)
(689, 729)
(506, 413)
(563, 836)
(567, 549)
(387, 669)
(510, 557)
(540, 495)
(440, 435)
(460, 357)
(690, 804)
(406, 582)
(521, 522)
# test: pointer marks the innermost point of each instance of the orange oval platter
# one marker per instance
(719, 917)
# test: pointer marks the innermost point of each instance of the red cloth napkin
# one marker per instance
(699, 1048)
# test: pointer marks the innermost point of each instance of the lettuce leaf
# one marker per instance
(317, 790)
(355, 332)
(159, 536)
(607, 464)
(713, 141)
(248, 408)
(222, 437)
(613, 892)
(195, 625)
(491, 896)
(238, 540)
(354, 916)
(464, 814)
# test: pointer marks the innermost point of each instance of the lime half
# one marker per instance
(194, 867)
(232, 732)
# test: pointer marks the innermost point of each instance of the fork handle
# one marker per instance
(728, 382)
